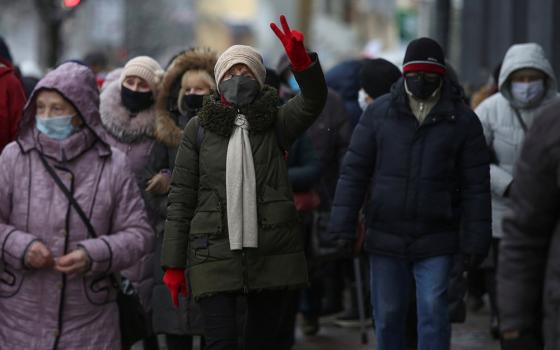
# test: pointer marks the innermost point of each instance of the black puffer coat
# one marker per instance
(330, 134)
(344, 78)
(429, 184)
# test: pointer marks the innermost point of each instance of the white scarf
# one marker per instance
(241, 188)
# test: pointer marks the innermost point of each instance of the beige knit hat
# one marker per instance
(144, 67)
(240, 54)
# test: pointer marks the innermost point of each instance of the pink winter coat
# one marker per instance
(132, 135)
(43, 309)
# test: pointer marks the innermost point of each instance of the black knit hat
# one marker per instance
(424, 55)
(377, 76)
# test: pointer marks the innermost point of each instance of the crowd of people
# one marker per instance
(220, 198)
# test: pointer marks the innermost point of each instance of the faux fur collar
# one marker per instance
(261, 114)
(117, 120)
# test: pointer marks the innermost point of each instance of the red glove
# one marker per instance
(175, 281)
(293, 44)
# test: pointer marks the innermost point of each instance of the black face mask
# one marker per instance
(191, 102)
(421, 87)
(136, 101)
(239, 90)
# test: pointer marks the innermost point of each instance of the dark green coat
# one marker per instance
(196, 233)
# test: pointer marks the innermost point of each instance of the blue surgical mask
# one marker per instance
(292, 82)
(57, 128)
(528, 93)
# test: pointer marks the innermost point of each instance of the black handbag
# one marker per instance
(132, 318)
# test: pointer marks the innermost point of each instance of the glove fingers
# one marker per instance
(277, 31)
(285, 25)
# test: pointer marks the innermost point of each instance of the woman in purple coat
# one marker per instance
(55, 289)
(128, 115)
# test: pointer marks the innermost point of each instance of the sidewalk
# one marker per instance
(469, 336)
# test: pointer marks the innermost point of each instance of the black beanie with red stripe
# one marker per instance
(424, 55)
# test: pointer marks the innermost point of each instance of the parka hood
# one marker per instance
(529, 55)
(167, 131)
(77, 84)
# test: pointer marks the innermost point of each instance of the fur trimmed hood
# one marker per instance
(116, 118)
(167, 131)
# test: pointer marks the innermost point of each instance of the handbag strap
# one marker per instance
(520, 120)
(68, 195)
(114, 277)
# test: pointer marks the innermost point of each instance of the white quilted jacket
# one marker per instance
(504, 134)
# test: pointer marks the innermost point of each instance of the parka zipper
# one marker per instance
(64, 276)
(409, 160)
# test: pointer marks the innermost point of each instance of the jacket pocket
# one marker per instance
(10, 282)
(275, 209)
(99, 290)
(207, 248)
(207, 218)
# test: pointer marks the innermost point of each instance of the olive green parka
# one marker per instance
(196, 230)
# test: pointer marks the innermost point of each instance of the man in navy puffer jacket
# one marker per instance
(421, 152)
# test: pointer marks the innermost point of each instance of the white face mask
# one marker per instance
(363, 99)
(528, 92)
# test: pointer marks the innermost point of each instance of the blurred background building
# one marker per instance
(474, 33)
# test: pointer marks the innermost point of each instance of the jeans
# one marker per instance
(391, 284)
(262, 320)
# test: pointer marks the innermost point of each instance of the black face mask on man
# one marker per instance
(239, 90)
(421, 86)
(136, 101)
(191, 102)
